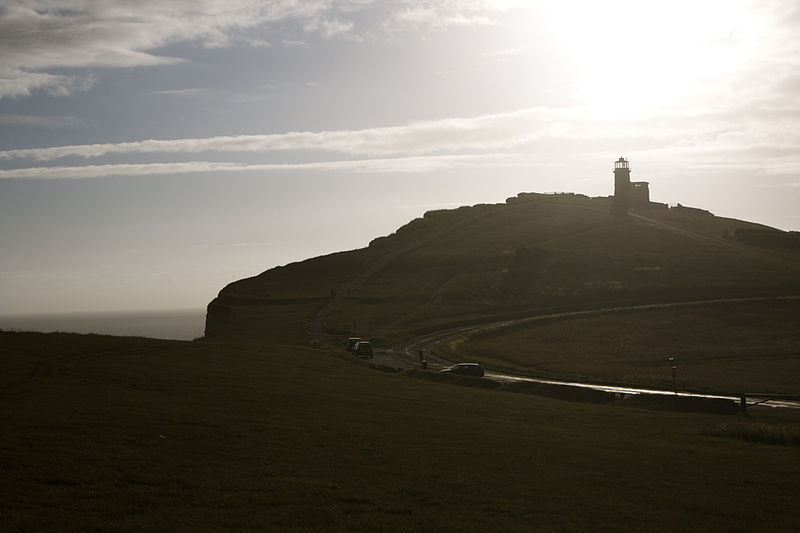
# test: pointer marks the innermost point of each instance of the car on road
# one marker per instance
(351, 343)
(465, 369)
(364, 349)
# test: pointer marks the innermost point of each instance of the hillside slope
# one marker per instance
(534, 252)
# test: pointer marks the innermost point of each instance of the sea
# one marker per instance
(182, 324)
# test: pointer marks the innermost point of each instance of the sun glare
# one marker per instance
(630, 56)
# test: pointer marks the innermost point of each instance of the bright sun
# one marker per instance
(630, 56)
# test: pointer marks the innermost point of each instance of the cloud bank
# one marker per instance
(486, 132)
(750, 112)
(397, 165)
(711, 135)
(37, 36)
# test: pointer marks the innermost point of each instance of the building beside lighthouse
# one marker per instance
(626, 192)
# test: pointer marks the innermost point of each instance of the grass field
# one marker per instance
(120, 434)
(725, 347)
(250, 429)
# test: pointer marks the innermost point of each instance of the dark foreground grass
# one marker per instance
(747, 430)
(103, 433)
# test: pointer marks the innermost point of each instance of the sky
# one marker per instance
(153, 151)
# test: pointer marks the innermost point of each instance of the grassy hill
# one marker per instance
(532, 254)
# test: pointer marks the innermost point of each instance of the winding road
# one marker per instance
(406, 354)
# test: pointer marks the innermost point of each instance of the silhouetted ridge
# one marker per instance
(535, 251)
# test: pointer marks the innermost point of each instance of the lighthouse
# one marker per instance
(622, 182)
(627, 193)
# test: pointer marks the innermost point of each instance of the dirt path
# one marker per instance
(721, 242)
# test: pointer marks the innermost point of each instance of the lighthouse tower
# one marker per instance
(622, 181)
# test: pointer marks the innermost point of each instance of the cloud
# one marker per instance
(402, 165)
(504, 53)
(38, 35)
(41, 121)
(499, 131)
(771, 156)
(764, 136)
(422, 14)
(486, 132)
(328, 27)
(16, 82)
(239, 245)
(789, 185)
(180, 92)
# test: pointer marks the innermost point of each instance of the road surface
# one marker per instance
(406, 354)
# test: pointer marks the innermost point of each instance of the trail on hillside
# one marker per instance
(758, 253)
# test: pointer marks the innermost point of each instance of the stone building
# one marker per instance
(627, 193)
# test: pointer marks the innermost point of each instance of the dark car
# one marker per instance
(351, 343)
(465, 369)
(364, 349)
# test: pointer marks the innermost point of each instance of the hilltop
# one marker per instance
(534, 253)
